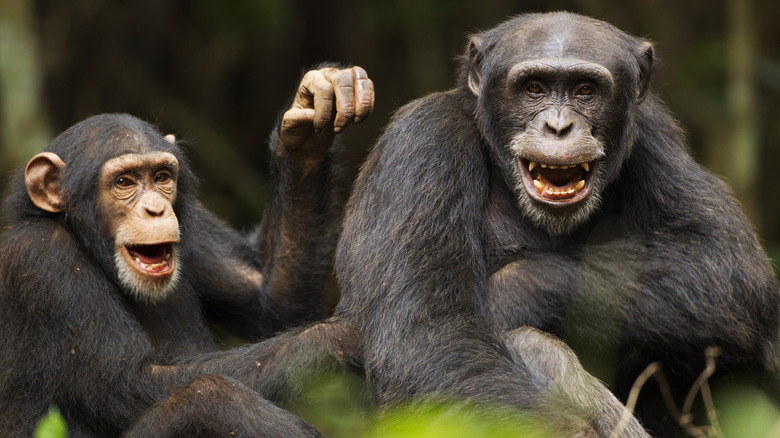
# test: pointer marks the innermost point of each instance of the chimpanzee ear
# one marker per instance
(42, 177)
(646, 59)
(475, 64)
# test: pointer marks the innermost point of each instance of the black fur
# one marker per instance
(437, 260)
(70, 336)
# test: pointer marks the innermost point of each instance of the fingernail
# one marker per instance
(359, 74)
(358, 119)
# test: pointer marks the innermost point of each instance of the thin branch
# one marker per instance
(683, 417)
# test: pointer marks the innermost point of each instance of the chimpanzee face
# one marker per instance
(556, 156)
(132, 206)
(137, 192)
(555, 114)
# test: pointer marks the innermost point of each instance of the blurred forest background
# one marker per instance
(217, 73)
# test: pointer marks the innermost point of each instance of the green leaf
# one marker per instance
(52, 425)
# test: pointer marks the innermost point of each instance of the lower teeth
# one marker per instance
(153, 265)
(542, 188)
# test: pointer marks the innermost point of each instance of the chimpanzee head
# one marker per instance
(556, 102)
(113, 181)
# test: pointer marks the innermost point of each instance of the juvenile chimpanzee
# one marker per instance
(109, 267)
(549, 189)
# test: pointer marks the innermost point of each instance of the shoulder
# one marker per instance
(430, 154)
(36, 239)
(435, 129)
(41, 261)
(435, 113)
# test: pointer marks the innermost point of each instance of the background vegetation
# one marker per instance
(217, 73)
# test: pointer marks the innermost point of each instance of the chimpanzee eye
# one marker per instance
(585, 91)
(535, 88)
(162, 177)
(124, 181)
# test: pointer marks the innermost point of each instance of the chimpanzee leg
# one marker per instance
(213, 405)
(564, 382)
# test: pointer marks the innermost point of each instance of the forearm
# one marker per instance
(276, 368)
(298, 234)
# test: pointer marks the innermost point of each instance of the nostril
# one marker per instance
(559, 129)
(155, 209)
(154, 212)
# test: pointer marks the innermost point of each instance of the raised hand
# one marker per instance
(310, 125)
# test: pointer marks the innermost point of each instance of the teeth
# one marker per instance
(542, 187)
(153, 265)
(532, 165)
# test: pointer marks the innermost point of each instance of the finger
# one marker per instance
(344, 93)
(316, 92)
(296, 127)
(323, 102)
(297, 120)
(364, 94)
(304, 97)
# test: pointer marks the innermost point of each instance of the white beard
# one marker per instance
(555, 222)
(144, 289)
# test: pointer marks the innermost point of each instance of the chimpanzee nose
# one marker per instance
(154, 205)
(558, 123)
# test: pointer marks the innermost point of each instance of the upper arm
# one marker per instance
(413, 220)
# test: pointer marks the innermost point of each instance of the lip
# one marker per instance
(151, 259)
(557, 185)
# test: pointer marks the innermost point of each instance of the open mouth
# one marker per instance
(557, 185)
(156, 260)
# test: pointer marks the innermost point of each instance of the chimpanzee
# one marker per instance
(109, 267)
(548, 189)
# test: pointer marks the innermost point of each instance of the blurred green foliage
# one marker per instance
(745, 411)
(453, 420)
(339, 407)
(52, 425)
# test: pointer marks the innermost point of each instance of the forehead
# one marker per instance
(110, 135)
(561, 36)
(135, 161)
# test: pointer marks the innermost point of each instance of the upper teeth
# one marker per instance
(533, 164)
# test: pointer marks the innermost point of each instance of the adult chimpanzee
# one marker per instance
(549, 189)
(110, 265)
